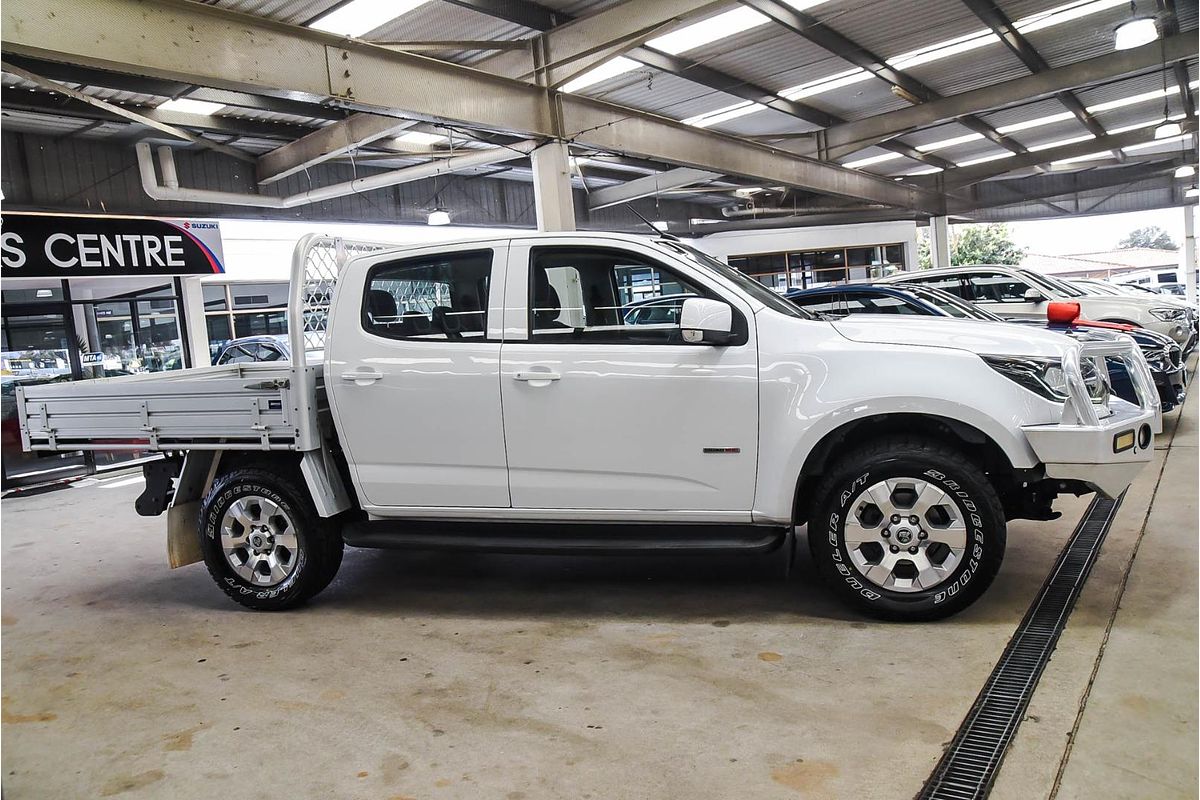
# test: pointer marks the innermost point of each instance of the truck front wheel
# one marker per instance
(907, 529)
(263, 541)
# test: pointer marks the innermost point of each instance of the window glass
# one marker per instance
(747, 285)
(436, 297)
(604, 296)
(947, 283)
(258, 295)
(236, 355)
(267, 352)
(219, 332)
(214, 297)
(878, 305)
(832, 304)
(995, 287)
(50, 292)
(263, 323)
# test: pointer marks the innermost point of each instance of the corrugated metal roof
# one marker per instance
(662, 93)
(897, 26)
(762, 123)
(864, 99)
(967, 71)
(295, 12)
(773, 58)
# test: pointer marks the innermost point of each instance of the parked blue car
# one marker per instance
(1164, 356)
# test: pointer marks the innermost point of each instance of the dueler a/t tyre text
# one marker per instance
(264, 543)
(907, 528)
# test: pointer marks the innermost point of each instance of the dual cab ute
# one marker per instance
(498, 394)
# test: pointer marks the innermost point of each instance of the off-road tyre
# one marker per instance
(318, 554)
(907, 457)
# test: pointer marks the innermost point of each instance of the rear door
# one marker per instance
(413, 373)
(600, 413)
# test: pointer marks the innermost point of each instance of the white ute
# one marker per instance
(497, 394)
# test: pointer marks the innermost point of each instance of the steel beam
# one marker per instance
(963, 176)
(860, 134)
(561, 53)
(120, 111)
(519, 12)
(243, 53)
(822, 35)
(991, 15)
(326, 143)
(648, 186)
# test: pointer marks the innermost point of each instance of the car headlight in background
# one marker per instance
(1168, 314)
(1045, 376)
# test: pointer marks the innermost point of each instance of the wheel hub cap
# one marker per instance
(258, 540)
(905, 534)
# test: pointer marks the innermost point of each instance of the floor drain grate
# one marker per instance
(969, 765)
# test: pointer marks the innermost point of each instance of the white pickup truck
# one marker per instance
(498, 394)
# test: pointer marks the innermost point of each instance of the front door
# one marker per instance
(605, 406)
(413, 371)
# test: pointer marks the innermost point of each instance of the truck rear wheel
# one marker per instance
(907, 529)
(263, 541)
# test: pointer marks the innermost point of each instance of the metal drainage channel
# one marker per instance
(969, 766)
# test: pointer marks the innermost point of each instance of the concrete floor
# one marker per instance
(437, 676)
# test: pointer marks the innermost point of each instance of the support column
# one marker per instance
(939, 241)
(192, 304)
(1189, 252)
(552, 198)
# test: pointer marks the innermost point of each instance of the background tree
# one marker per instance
(1152, 237)
(974, 244)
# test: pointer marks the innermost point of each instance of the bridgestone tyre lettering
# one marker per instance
(319, 540)
(939, 465)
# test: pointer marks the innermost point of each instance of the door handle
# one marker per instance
(535, 376)
(363, 377)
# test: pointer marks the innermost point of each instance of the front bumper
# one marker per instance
(1083, 446)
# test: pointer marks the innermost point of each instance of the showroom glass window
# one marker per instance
(434, 298)
(807, 269)
(236, 310)
(604, 296)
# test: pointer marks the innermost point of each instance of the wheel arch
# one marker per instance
(965, 437)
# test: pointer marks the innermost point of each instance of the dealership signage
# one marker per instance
(60, 246)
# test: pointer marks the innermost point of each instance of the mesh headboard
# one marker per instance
(316, 265)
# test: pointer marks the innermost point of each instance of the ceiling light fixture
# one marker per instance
(1192, 192)
(439, 216)
(1134, 32)
(1168, 130)
(1186, 171)
(187, 106)
(362, 16)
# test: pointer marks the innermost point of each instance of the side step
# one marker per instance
(558, 537)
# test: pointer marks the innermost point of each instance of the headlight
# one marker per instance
(1168, 314)
(1042, 376)
(1045, 376)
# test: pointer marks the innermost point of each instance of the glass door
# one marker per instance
(36, 349)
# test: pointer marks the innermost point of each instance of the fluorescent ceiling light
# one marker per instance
(725, 114)
(944, 143)
(1186, 171)
(1133, 148)
(360, 16)
(1035, 123)
(826, 84)
(439, 216)
(1061, 142)
(926, 171)
(186, 106)
(1139, 125)
(707, 31)
(1135, 33)
(866, 162)
(420, 137)
(1168, 130)
(609, 69)
(984, 159)
(1192, 192)
(1087, 157)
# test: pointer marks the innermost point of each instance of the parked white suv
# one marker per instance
(1023, 294)
(500, 394)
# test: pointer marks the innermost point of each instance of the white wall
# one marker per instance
(735, 243)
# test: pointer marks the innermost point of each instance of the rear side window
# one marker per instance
(947, 283)
(832, 304)
(439, 297)
(996, 287)
(878, 305)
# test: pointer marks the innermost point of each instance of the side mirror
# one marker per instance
(705, 321)
(1034, 296)
(1062, 313)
